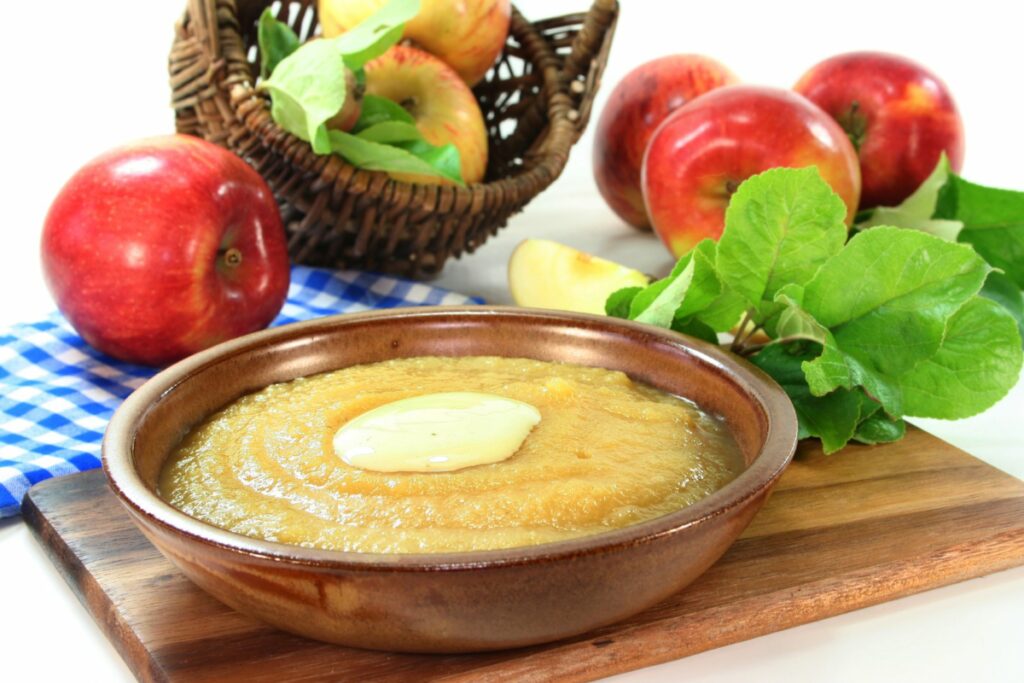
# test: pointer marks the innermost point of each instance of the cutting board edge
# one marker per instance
(88, 590)
(943, 566)
(786, 613)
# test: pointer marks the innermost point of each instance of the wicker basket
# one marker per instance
(536, 102)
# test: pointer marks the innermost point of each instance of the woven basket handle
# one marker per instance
(586, 61)
(202, 16)
(196, 72)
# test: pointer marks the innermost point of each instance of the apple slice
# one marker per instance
(546, 274)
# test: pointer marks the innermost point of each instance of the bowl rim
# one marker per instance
(772, 458)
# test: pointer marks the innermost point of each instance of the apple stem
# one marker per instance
(232, 258)
(855, 124)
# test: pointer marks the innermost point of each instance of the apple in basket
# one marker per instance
(442, 105)
(467, 34)
(161, 248)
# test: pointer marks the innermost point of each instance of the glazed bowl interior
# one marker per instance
(457, 601)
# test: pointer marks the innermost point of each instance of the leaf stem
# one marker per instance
(754, 348)
(747, 328)
(737, 341)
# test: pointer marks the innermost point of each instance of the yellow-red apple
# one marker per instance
(702, 152)
(467, 34)
(637, 105)
(442, 104)
(899, 116)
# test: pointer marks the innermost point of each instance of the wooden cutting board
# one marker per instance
(839, 533)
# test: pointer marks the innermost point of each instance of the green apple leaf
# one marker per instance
(880, 428)
(690, 287)
(1004, 291)
(831, 369)
(993, 221)
(390, 132)
(306, 89)
(276, 41)
(886, 298)
(695, 328)
(977, 364)
(658, 302)
(372, 37)
(725, 311)
(793, 322)
(376, 110)
(705, 287)
(947, 206)
(833, 418)
(780, 227)
(834, 368)
(917, 211)
(620, 301)
(444, 159)
(415, 158)
(681, 300)
(836, 418)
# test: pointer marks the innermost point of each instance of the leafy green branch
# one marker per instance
(860, 333)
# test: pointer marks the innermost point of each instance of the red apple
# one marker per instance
(637, 105)
(899, 115)
(161, 248)
(440, 102)
(701, 153)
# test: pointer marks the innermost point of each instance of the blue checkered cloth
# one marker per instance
(57, 393)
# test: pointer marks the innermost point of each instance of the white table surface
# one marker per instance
(82, 77)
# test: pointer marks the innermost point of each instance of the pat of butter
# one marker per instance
(436, 433)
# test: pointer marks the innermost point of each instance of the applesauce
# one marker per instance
(607, 453)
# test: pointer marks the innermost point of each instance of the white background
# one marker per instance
(80, 77)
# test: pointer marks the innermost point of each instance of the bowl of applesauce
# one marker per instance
(449, 479)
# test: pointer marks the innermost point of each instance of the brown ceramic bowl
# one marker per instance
(452, 602)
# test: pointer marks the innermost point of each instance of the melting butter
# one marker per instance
(436, 433)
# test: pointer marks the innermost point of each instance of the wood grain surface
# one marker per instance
(841, 532)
